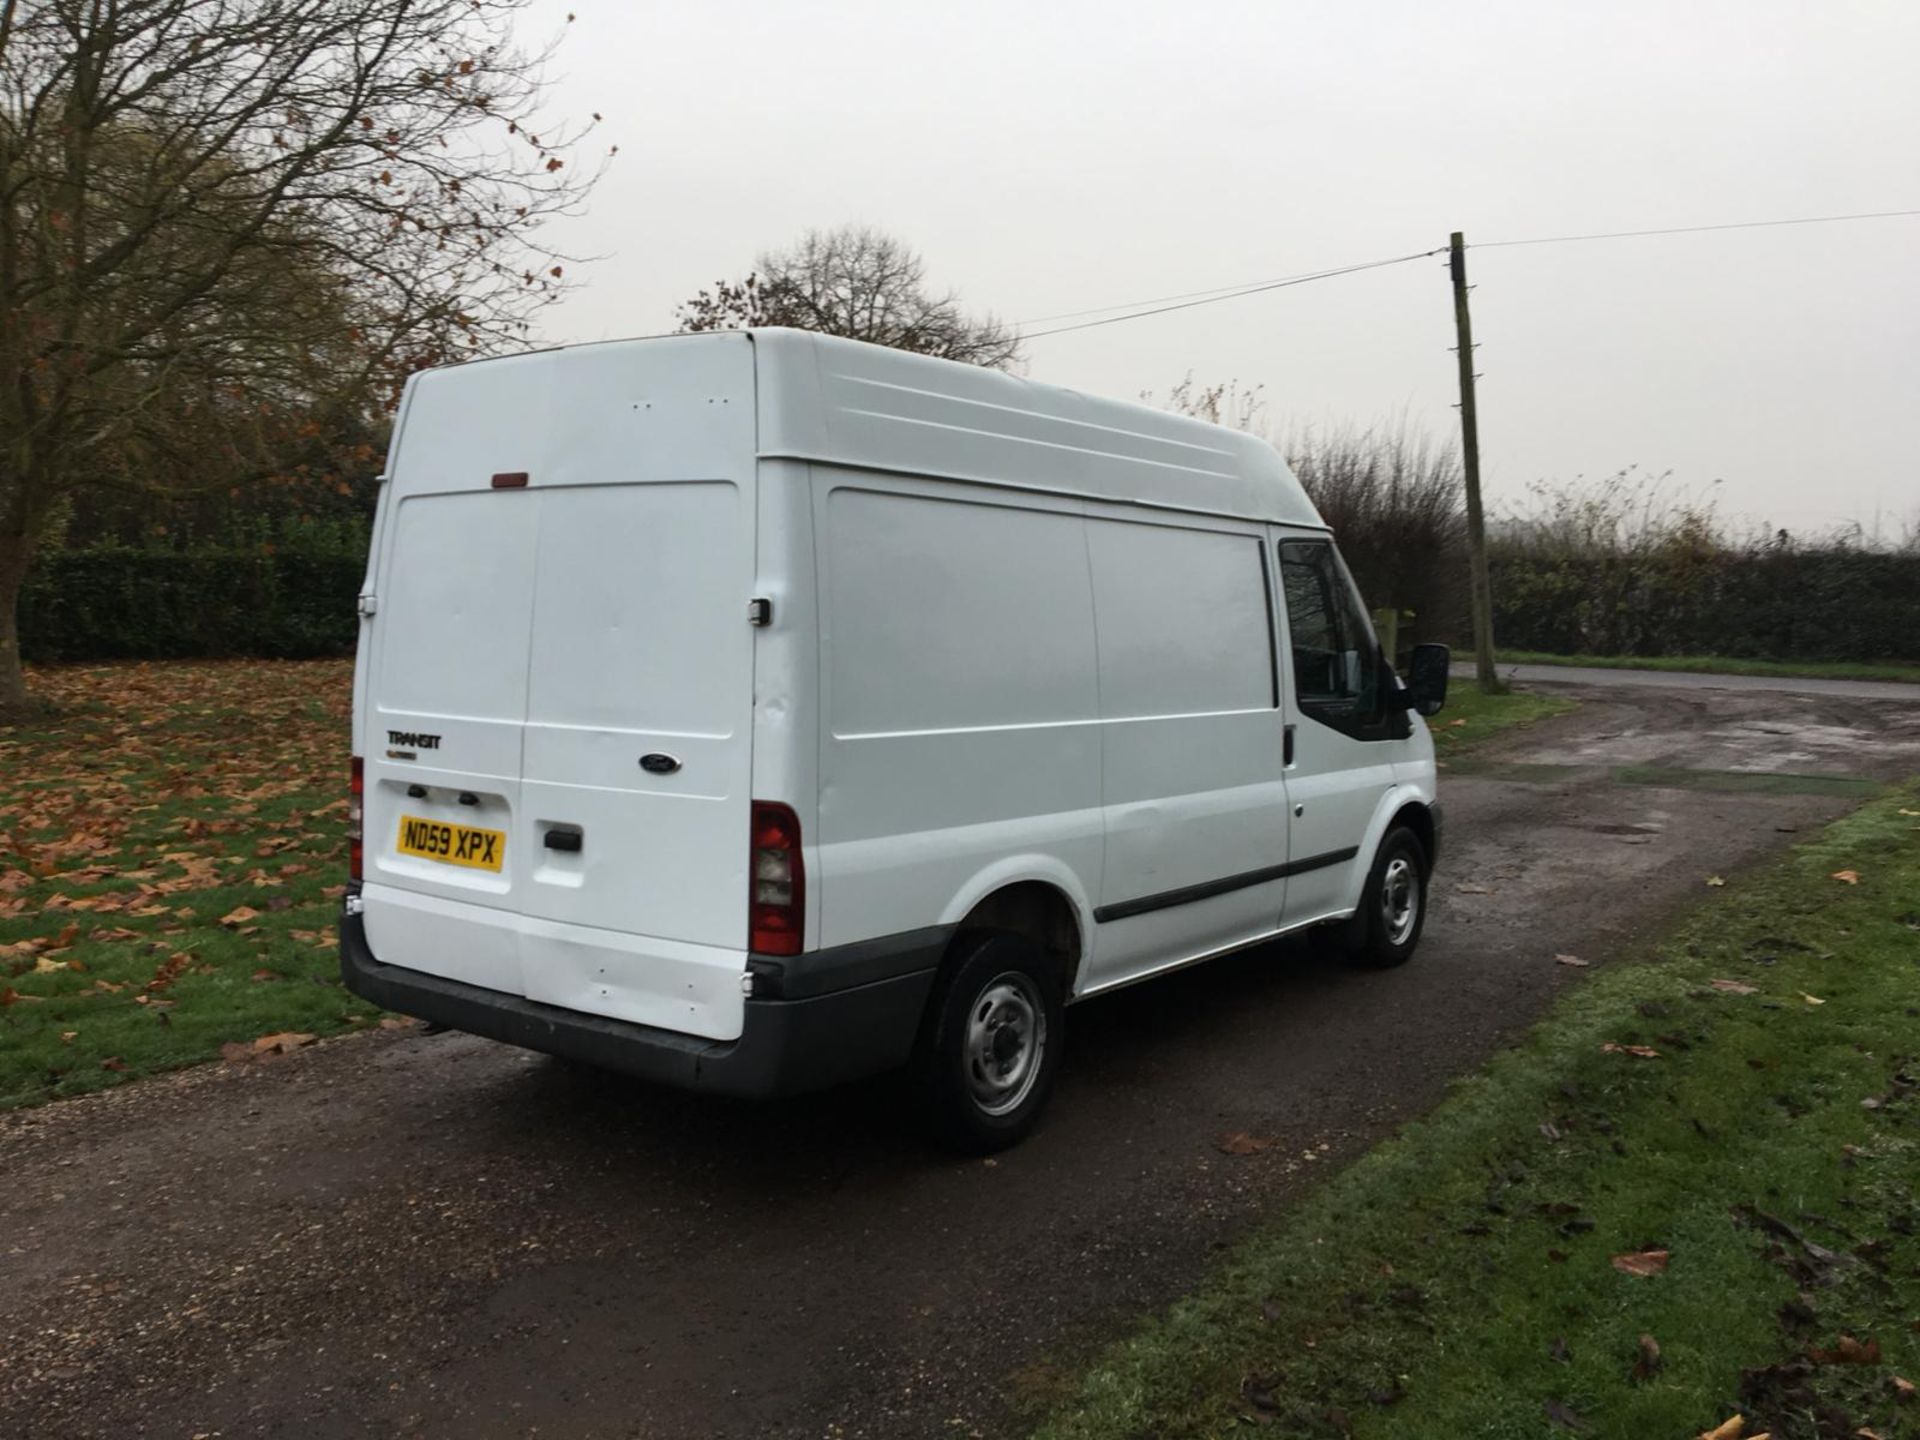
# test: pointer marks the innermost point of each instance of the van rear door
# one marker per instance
(576, 651)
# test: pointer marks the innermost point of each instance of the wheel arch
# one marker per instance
(1402, 805)
(1038, 900)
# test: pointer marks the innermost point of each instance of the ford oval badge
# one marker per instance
(658, 764)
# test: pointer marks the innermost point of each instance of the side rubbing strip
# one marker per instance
(1207, 889)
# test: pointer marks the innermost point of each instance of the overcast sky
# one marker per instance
(1049, 157)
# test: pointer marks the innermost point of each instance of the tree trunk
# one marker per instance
(16, 551)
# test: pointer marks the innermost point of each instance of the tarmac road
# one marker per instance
(397, 1233)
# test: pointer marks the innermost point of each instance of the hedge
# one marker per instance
(261, 600)
(1762, 602)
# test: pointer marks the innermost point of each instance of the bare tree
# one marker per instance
(220, 218)
(860, 283)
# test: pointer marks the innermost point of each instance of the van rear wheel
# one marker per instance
(1393, 904)
(990, 1048)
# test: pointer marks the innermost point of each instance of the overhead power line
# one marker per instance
(1187, 300)
(1214, 297)
(1696, 229)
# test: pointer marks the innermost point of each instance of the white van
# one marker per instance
(753, 711)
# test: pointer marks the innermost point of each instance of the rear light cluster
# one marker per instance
(356, 814)
(777, 908)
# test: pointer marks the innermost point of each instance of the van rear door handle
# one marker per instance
(568, 840)
(1286, 747)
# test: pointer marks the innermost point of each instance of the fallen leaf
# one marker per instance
(1642, 1262)
(67, 1036)
(1234, 1142)
(1811, 999)
(281, 1042)
(1847, 1351)
(1903, 1390)
(1727, 1429)
(396, 1022)
(1571, 960)
(1715, 880)
(1566, 1415)
(1734, 987)
(113, 1062)
(1847, 877)
(1471, 889)
(1647, 1364)
(266, 974)
(239, 916)
(1643, 1052)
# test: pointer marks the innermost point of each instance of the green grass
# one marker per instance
(1471, 716)
(1723, 665)
(1457, 1281)
(155, 803)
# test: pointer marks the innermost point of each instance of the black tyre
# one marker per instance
(990, 1047)
(1393, 904)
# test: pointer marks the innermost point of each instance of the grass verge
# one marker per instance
(1472, 716)
(1722, 665)
(172, 851)
(1464, 1279)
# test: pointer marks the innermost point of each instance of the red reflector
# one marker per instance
(510, 480)
(775, 927)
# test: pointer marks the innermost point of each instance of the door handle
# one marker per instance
(1286, 747)
(568, 840)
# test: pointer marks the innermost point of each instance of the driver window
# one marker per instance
(1336, 661)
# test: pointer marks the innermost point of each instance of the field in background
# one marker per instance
(1686, 1195)
(172, 854)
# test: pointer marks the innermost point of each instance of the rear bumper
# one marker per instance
(814, 1020)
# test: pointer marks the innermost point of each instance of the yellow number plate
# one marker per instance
(453, 844)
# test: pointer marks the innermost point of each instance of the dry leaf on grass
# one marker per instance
(1734, 987)
(1846, 1351)
(1847, 877)
(1811, 999)
(1727, 1429)
(1640, 1052)
(1646, 1363)
(1642, 1262)
(239, 916)
(1715, 880)
(1571, 960)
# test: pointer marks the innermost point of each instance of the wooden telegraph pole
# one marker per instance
(1482, 588)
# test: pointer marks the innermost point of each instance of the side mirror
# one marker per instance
(1427, 678)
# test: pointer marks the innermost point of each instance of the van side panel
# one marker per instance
(1193, 739)
(959, 700)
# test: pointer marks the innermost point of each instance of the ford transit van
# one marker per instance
(759, 710)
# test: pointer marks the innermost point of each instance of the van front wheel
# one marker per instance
(988, 1054)
(1393, 904)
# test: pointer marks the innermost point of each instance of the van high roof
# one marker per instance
(830, 400)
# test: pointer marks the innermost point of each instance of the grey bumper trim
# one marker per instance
(822, 1034)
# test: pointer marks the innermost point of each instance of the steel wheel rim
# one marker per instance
(1399, 899)
(1006, 1041)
